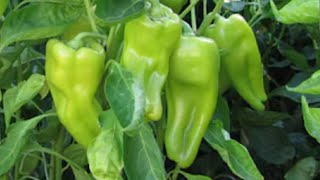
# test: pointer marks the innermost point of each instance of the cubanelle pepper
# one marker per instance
(148, 43)
(241, 65)
(191, 92)
(73, 76)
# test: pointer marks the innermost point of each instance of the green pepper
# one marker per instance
(241, 65)
(191, 92)
(73, 76)
(175, 5)
(148, 43)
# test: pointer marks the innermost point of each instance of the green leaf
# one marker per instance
(294, 81)
(194, 176)
(305, 169)
(296, 97)
(235, 6)
(115, 11)
(3, 6)
(311, 117)
(16, 97)
(270, 143)
(233, 153)
(293, 56)
(309, 86)
(28, 55)
(259, 118)
(49, 131)
(105, 155)
(18, 135)
(142, 156)
(7, 73)
(222, 113)
(301, 141)
(76, 153)
(116, 43)
(37, 21)
(13, 59)
(29, 162)
(297, 11)
(121, 87)
(81, 174)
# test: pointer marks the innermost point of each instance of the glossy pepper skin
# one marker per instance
(175, 5)
(191, 92)
(241, 65)
(148, 44)
(73, 77)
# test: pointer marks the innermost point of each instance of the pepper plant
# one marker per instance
(159, 89)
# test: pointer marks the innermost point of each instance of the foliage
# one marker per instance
(280, 142)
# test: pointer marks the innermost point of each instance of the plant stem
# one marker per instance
(77, 41)
(258, 13)
(193, 18)
(49, 151)
(19, 75)
(155, 8)
(175, 173)
(209, 18)
(188, 9)
(90, 15)
(58, 146)
(52, 167)
(16, 170)
(256, 21)
(204, 8)
(111, 35)
(155, 3)
(45, 169)
(277, 40)
(317, 51)
(36, 106)
(89, 34)
(224, 176)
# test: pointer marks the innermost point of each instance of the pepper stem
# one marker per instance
(77, 42)
(188, 9)
(193, 18)
(176, 173)
(90, 15)
(209, 18)
(156, 8)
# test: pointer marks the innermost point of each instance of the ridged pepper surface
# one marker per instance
(73, 76)
(148, 43)
(191, 92)
(241, 65)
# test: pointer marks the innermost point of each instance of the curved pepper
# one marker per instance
(175, 5)
(241, 65)
(192, 90)
(148, 44)
(73, 77)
